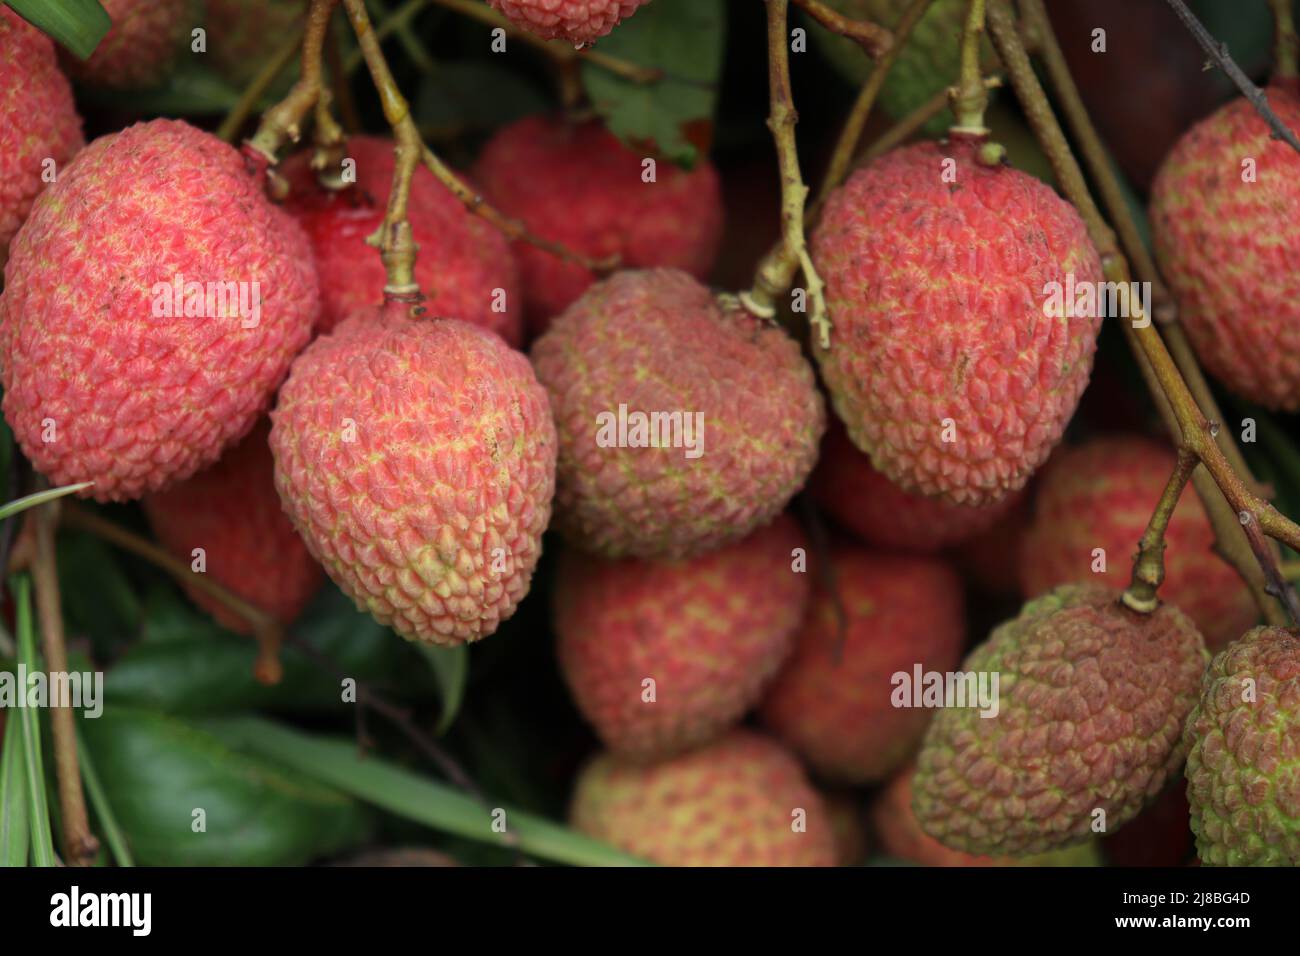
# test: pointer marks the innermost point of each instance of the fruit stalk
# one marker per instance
(1285, 65)
(1195, 431)
(283, 122)
(1230, 540)
(1149, 567)
(905, 128)
(872, 37)
(971, 99)
(243, 108)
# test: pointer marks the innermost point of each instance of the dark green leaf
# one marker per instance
(77, 24)
(38, 807)
(193, 89)
(98, 600)
(20, 505)
(15, 832)
(108, 825)
(472, 95)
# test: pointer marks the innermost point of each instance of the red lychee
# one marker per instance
(233, 513)
(1100, 495)
(417, 460)
(465, 266)
(684, 424)
(153, 301)
(834, 702)
(944, 361)
(38, 120)
(708, 632)
(140, 47)
(579, 21)
(1225, 222)
(579, 186)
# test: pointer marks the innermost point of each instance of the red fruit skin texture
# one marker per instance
(1092, 700)
(579, 186)
(417, 460)
(945, 322)
(1100, 495)
(581, 22)
(731, 803)
(135, 401)
(462, 263)
(831, 703)
(140, 47)
(1243, 767)
(862, 500)
(1228, 248)
(658, 341)
(233, 513)
(710, 631)
(38, 120)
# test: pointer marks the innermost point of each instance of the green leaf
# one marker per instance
(19, 505)
(78, 25)
(37, 802)
(158, 771)
(408, 795)
(474, 95)
(684, 39)
(108, 824)
(15, 833)
(98, 598)
(193, 89)
(450, 667)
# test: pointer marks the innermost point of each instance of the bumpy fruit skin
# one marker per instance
(710, 631)
(902, 838)
(140, 47)
(244, 34)
(658, 341)
(233, 513)
(1092, 701)
(831, 703)
(731, 803)
(1227, 248)
(465, 266)
(579, 21)
(579, 186)
(1243, 766)
(417, 460)
(1100, 495)
(943, 362)
(864, 501)
(38, 120)
(97, 387)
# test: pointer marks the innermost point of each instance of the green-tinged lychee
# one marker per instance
(959, 347)
(684, 423)
(838, 702)
(740, 801)
(1243, 765)
(1092, 698)
(662, 656)
(417, 460)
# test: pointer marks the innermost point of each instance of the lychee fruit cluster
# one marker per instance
(737, 417)
(944, 361)
(417, 460)
(741, 801)
(140, 47)
(1226, 233)
(1243, 761)
(834, 701)
(38, 121)
(581, 22)
(464, 267)
(1092, 701)
(1100, 495)
(577, 185)
(664, 656)
(135, 363)
(232, 512)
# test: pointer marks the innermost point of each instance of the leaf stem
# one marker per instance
(253, 93)
(1285, 65)
(282, 123)
(873, 38)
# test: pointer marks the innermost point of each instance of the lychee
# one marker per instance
(1225, 222)
(862, 500)
(684, 423)
(665, 656)
(580, 22)
(1091, 701)
(1100, 495)
(139, 50)
(740, 801)
(417, 460)
(837, 702)
(464, 267)
(577, 185)
(135, 363)
(244, 34)
(1243, 767)
(947, 362)
(39, 126)
(232, 513)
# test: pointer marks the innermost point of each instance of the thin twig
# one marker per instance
(971, 98)
(909, 125)
(874, 39)
(253, 93)
(1149, 566)
(1285, 65)
(282, 123)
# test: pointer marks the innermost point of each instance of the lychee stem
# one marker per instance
(905, 128)
(282, 123)
(873, 38)
(971, 98)
(1195, 430)
(1285, 65)
(1149, 566)
(253, 93)
(1230, 540)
